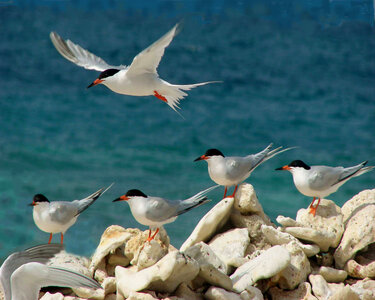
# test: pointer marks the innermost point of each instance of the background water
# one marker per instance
(296, 73)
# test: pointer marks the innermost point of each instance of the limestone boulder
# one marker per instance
(214, 277)
(320, 287)
(357, 270)
(365, 289)
(332, 275)
(150, 254)
(49, 296)
(357, 203)
(266, 265)
(185, 292)
(302, 292)
(215, 293)
(210, 223)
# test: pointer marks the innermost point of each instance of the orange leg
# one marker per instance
(234, 192)
(162, 98)
(153, 236)
(314, 208)
(225, 192)
(62, 238)
(50, 238)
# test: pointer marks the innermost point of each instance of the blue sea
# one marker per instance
(295, 73)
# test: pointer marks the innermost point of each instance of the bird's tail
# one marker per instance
(67, 278)
(195, 200)
(86, 202)
(175, 93)
(364, 170)
(267, 154)
(356, 171)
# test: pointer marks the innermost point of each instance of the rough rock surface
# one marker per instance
(358, 202)
(332, 275)
(302, 292)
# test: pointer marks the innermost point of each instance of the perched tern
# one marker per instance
(229, 171)
(156, 211)
(321, 181)
(59, 216)
(140, 78)
(24, 273)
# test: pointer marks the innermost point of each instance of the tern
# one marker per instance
(24, 273)
(321, 181)
(229, 171)
(156, 211)
(140, 78)
(59, 216)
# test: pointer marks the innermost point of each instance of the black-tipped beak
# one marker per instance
(284, 168)
(122, 198)
(97, 81)
(203, 157)
(32, 203)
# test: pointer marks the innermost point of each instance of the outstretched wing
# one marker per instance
(148, 60)
(79, 56)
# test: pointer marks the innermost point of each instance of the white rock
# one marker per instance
(118, 260)
(266, 265)
(365, 289)
(344, 293)
(140, 296)
(210, 223)
(358, 202)
(203, 254)
(87, 293)
(71, 262)
(112, 238)
(302, 292)
(320, 287)
(48, 296)
(112, 297)
(215, 293)
(332, 275)
(151, 253)
(230, 246)
(184, 292)
(287, 222)
(109, 285)
(359, 233)
(358, 270)
(251, 293)
(214, 277)
(276, 237)
(164, 276)
(246, 200)
(297, 270)
(321, 238)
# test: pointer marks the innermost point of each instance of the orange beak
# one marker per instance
(285, 168)
(122, 198)
(33, 203)
(203, 157)
(97, 81)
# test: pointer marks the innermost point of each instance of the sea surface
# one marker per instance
(295, 73)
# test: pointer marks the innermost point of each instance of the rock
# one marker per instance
(359, 233)
(87, 293)
(214, 277)
(251, 293)
(140, 296)
(332, 275)
(210, 223)
(287, 222)
(276, 237)
(203, 254)
(230, 246)
(325, 229)
(320, 287)
(109, 285)
(266, 265)
(151, 253)
(253, 224)
(48, 296)
(365, 289)
(184, 292)
(358, 202)
(302, 292)
(324, 259)
(296, 271)
(118, 260)
(164, 276)
(215, 293)
(71, 262)
(112, 238)
(344, 293)
(113, 297)
(357, 270)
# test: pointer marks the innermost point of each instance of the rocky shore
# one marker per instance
(236, 252)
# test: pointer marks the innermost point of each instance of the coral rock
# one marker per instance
(332, 275)
(214, 277)
(151, 253)
(320, 287)
(344, 293)
(357, 270)
(365, 289)
(302, 292)
(359, 201)
(48, 296)
(184, 292)
(215, 293)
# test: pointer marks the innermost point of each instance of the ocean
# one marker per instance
(297, 73)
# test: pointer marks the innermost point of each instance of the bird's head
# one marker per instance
(210, 153)
(39, 198)
(130, 195)
(295, 165)
(104, 76)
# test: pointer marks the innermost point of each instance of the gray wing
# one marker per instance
(79, 56)
(63, 212)
(40, 254)
(159, 209)
(238, 167)
(148, 60)
(322, 177)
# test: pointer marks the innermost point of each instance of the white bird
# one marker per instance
(156, 211)
(229, 171)
(24, 273)
(140, 78)
(321, 181)
(59, 216)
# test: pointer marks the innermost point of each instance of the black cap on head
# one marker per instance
(135, 193)
(213, 152)
(107, 73)
(299, 163)
(40, 198)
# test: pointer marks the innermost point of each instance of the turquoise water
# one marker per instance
(294, 76)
